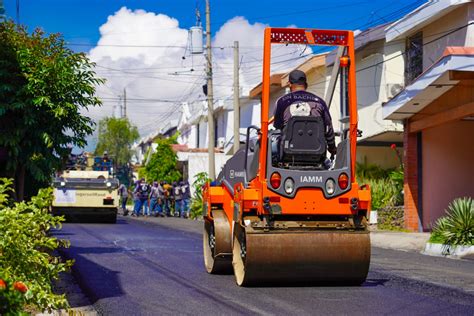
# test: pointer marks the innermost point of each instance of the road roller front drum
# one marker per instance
(300, 257)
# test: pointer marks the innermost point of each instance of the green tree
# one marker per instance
(44, 88)
(200, 180)
(162, 164)
(116, 136)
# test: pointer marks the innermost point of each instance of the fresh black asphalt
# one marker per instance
(142, 268)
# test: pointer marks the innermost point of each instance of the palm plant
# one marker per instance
(197, 201)
(457, 226)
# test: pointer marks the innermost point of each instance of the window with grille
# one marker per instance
(414, 58)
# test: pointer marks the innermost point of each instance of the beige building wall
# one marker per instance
(316, 78)
(334, 109)
(384, 157)
(379, 76)
(448, 153)
(453, 20)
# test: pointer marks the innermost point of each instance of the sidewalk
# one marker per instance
(399, 240)
(415, 242)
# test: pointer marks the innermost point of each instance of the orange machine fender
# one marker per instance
(217, 237)
(245, 200)
(238, 201)
(365, 199)
(211, 196)
(205, 201)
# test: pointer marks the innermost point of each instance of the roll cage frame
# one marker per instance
(305, 36)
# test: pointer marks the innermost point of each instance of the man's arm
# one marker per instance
(278, 116)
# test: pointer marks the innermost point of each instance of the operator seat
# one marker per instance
(303, 141)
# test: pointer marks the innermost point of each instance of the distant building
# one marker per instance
(193, 139)
(146, 145)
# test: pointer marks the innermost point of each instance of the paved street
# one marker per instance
(143, 268)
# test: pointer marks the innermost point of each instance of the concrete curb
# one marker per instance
(399, 241)
(76, 311)
(80, 304)
(456, 252)
(76, 293)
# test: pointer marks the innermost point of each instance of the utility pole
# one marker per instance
(18, 11)
(119, 104)
(236, 98)
(2, 11)
(210, 96)
(124, 103)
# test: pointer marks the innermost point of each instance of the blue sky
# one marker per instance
(79, 20)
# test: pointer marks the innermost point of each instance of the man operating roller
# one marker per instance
(300, 102)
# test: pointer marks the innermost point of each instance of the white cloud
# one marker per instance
(147, 72)
(250, 38)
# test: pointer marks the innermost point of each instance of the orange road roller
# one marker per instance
(283, 215)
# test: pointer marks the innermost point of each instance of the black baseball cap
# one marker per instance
(297, 77)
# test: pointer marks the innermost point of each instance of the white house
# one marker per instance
(436, 106)
(193, 129)
(147, 144)
(188, 126)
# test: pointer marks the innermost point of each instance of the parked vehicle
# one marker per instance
(86, 195)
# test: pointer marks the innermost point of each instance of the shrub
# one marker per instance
(384, 192)
(397, 177)
(371, 171)
(196, 203)
(27, 266)
(457, 226)
(11, 298)
(386, 185)
(391, 218)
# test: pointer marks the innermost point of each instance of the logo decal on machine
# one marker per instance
(311, 179)
(236, 174)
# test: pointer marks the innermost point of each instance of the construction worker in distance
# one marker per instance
(300, 102)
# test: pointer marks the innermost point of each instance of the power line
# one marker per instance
(424, 44)
(449, 32)
(395, 13)
(446, 33)
(280, 63)
(136, 46)
(301, 12)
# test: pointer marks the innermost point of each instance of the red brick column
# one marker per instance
(410, 187)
